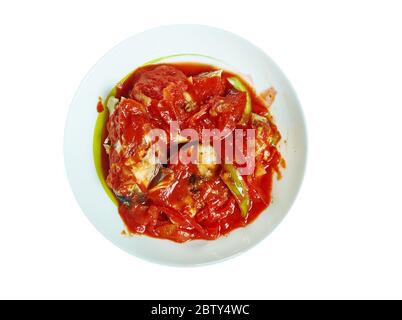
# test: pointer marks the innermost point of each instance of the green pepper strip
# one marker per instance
(237, 186)
(238, 85)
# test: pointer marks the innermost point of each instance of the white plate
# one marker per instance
(237, 54)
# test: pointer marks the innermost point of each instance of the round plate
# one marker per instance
(183, 43)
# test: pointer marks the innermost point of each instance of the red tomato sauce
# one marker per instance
(99, 106)
(183, 202)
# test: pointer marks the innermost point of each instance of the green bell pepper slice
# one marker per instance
(236, 184)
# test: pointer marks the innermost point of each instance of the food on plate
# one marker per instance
(172, 180)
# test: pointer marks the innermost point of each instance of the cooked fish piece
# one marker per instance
(206, 159)
(132, 153)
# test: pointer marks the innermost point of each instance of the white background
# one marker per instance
(343, 236)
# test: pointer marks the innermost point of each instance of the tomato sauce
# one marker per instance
(99, 106)
(177, 201)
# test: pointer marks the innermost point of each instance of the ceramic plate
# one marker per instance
(178, 43)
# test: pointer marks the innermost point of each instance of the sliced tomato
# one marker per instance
(227, 111)
(136, 218)
(152, 82)
(128, 124)
(218, 113)
(207, 85)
